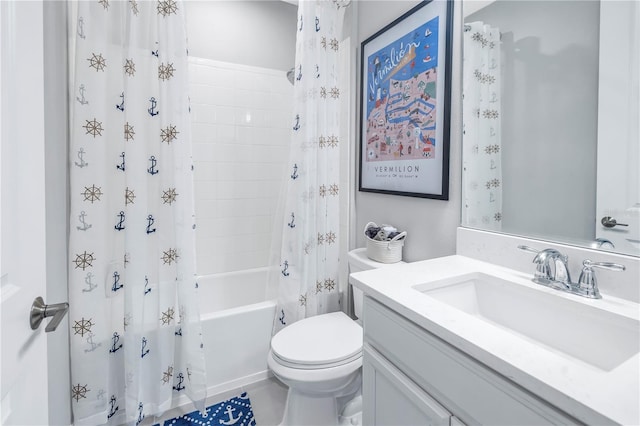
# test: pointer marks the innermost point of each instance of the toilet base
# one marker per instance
(334, 409)
(306, 410)
(351, 414)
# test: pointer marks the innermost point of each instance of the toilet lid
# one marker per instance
(320, 340)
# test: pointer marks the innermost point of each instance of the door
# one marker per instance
(24, 371)
(618, 188)
(389, 397)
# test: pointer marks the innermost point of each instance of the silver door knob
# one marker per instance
(40, 311)
(609, 222)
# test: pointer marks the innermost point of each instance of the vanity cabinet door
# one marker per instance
(470, 390)
(456, 422)
(391, 398)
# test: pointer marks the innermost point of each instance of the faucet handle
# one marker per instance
(587, 282)
(529, 249)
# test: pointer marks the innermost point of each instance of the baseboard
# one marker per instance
(226, 390)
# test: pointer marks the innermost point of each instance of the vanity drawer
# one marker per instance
(468, 389)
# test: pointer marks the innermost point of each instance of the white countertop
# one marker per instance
(583, 391)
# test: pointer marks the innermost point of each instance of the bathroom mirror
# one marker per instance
(551, 129)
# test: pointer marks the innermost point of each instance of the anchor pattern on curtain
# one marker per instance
(135, 325)
(308, 280)
(482, 176)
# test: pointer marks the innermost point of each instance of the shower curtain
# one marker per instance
(308, 275)
(134, 321)
(482, 171)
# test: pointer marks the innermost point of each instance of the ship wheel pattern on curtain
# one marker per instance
(135, 326)
(308, 281)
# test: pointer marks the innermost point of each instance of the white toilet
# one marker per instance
(320, 359)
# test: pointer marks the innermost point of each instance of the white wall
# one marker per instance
(258, 33)
(241, 114)
(549, 120)
(241, 119)
(430, 224)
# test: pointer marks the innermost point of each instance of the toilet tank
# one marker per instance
(358, 261)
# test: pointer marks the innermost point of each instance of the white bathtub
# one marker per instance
(236, 328)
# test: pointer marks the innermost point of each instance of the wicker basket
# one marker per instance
(384, 251)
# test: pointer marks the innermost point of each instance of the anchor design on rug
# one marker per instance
(152, 170)
(82, 99)
(229, 412)
(317, 71)
(291, 224)
(90, 285)
(147, 290)
(112, 407)
(179, 332)
(120, 225)
(297, 125)
(121, 165)
(114, 343)
(81, 28)
(317, 24)
(140, 413)
(142, 350)
(150, 221)
(121, 106)
(82, 163)
(85, 225)
(493, 165)
(492, 197)
(180, 386)
(281, 317)
(152, 109)
(299, 76)
(294, 175)
(286, 267)
(116, 282)
(91, 343)
(301, 21)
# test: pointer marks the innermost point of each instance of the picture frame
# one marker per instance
(405, 99)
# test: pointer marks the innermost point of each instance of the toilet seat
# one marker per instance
(318, 342)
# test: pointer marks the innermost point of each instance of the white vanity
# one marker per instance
(455, 340)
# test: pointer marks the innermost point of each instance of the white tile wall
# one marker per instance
(241, 121)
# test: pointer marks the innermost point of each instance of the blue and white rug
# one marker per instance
(236, 411)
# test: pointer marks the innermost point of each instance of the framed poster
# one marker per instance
(405, 104)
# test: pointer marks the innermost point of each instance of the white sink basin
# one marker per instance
(574, 328)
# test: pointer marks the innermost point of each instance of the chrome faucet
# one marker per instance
(559, 274)
(552, 270)
(551, 266)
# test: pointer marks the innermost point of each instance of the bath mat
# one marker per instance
(236, 411)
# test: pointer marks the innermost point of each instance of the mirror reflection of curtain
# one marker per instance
(482, 171)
